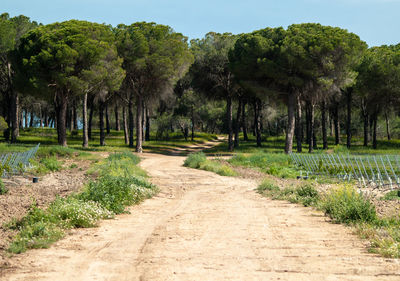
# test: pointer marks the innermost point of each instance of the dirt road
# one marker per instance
(206, 227)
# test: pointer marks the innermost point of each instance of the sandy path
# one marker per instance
(206, 227)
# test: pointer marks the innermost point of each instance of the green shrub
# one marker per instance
(267, 186)
(115, 192)
(3, 188)
(392, 195)
(72, 212)
(307, 195)
(56, 150)
(194, 160)
(225, 170)
(345, 204)
(50, 164)
(124, 155)
(39, 234)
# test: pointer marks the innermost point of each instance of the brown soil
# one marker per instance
(203, 226)
(23, 193)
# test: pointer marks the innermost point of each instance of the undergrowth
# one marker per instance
(345, 204)
(199, 161)
(276, 164)
(116, 188)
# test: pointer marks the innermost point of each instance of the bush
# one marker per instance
(267, 186)
(3, 188)
(344, 204)
(56, 150)
(36, 235)
(307, 195)
(194, 160)
(116, 192)
(76, 213)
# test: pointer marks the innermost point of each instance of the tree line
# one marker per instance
(318, 74)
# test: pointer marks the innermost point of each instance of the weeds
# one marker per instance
(199, 161)
(344, 204)
(102, 199)
(3, 188)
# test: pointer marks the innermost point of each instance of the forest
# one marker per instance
(310, 83)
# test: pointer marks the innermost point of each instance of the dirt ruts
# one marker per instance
(206, 227)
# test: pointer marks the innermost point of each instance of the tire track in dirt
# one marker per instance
(206, 227)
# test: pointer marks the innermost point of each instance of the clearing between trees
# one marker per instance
(203, 226)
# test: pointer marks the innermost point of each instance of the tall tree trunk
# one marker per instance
(229, 120)
(20, 118)
(70, 119)
(85, 137)
(374, 121)
(298, 124)
(139, 124)
(14, 117)
(238, 121)
(308, 134)
(257, 123)
(193, 124)
(323, 125)
(130, 121)
(46, 119)
(144, 121)
(61, 112)
(311, 127)
(387, 126)
(75, 115)
(26, 118)
(31, 120)
(117, 125)
(41, 118)
(349, 99)
(125, 125)
(107, 119)
(91, 119)
(336, 122)
(102, 107)
(365, 117)
(147, 137)
(244, 123)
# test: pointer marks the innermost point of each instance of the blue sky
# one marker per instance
(376, 21)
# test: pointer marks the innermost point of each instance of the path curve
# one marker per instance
(206, 227)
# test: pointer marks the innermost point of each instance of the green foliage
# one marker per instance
(73, 213)
(345, 204)
(194, 160)
(305, 194)
(276, 164)
(392, 195)
(115, 192)
(101, 199)
(3, 188)
(199, 160)
(57, 150)
(46, 165)
(36, 235)
(3, 124)
(267, 187)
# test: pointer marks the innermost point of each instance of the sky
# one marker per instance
(376, 21)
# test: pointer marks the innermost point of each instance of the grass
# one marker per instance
(392, 195)
(120, 184)
(3, 189)
(305, 194)
(199, 161)
(276, 164)
(344, 204)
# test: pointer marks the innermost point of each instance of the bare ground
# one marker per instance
(23, 193)
(206, 227)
